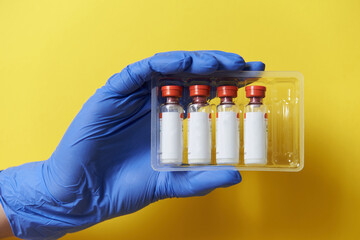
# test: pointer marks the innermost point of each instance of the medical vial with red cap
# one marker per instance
(227, 126)
(171, 126)
(199, 126)
(255, 126)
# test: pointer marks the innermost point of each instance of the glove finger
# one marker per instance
(254, 66)
(202, 63)
(202, 183)
(198, 62)
(226, 60)
(135, 75)
(130, 78)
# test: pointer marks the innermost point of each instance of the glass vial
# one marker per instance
(199, 126)
(171, 126)
(227, 126)
(255, 126)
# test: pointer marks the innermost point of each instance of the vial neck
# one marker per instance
(256, 100)
(226, 100)
(199, 99)
(172, 100)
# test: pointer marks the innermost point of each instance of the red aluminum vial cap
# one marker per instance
(255, 91)
(199, 90)
(227, 91)
(171, 91)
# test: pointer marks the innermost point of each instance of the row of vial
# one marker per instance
(199, 126)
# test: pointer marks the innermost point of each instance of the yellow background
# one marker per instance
(54, 54)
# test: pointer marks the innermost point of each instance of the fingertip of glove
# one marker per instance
(233, 178)
(228, 61)
(237, 178)
(238, 63)
(223, 178)
(254, 66)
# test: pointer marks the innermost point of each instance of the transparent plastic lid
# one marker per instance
(280, 128)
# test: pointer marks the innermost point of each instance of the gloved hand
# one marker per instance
(101, 168)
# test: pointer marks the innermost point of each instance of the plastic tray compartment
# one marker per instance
(285, 112)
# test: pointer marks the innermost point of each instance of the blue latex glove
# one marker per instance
(101, 168)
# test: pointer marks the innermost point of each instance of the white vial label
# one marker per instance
(199, 138)
(171, 141)
(227, 138)
(255, 138)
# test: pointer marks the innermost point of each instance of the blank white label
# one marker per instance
(171, 141)
(199, 138)
(255, 138)
(227, 137)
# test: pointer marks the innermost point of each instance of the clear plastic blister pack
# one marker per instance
(242, 120)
